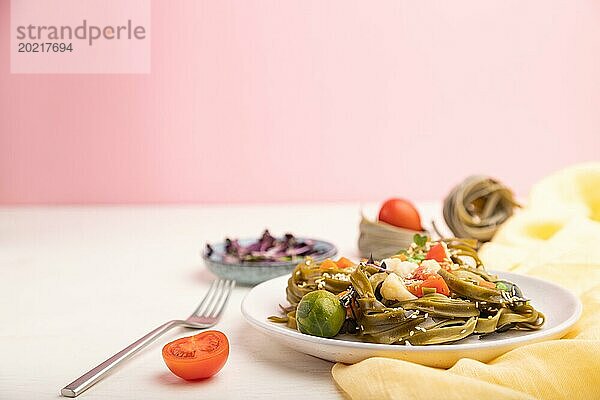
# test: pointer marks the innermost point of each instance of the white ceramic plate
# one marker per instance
(561, 307)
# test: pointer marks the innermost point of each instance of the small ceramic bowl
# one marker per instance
(251, 273)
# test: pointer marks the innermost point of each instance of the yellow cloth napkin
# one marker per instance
(560, 369)
(560, 244)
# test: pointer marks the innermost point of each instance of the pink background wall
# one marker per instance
(311, 100)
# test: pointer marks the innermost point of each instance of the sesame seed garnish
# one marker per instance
(341, 277)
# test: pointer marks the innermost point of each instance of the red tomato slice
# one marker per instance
(415, 289)
(420, 273)
(437, 253)
(197, 357)
(432, 281)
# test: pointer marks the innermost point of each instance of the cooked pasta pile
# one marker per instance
(431, 293)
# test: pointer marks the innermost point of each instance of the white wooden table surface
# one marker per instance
(77, 284)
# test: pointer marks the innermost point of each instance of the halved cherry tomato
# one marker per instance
(328, 264)
(436, 253)
(432, 281)
(197, 357)
(343, 262)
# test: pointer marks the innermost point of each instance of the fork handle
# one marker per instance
(88, 379)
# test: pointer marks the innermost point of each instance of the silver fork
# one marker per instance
(207, 314)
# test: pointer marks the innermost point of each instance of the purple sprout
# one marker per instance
(267, 248)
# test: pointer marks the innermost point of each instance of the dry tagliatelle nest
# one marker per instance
(382, 240)
(477, 207)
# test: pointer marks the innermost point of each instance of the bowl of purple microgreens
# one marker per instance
(251, 261)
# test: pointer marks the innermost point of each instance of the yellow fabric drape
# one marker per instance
(556, 238)
(560, 369)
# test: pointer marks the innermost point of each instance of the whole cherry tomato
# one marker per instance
(400, 213)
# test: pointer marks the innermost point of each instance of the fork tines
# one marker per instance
(215, 299)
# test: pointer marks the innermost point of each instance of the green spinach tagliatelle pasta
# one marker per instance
(475, 303)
